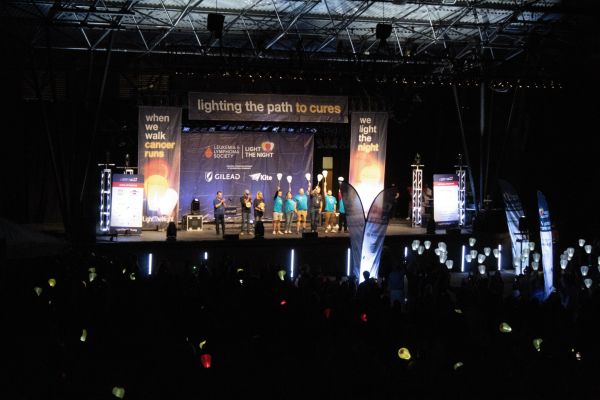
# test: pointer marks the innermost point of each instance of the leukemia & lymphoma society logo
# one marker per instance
(541, 212)
(267, 146)
(208, 176)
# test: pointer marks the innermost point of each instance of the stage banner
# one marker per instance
(445, 197)
(355, 217)
(514, 211)
(367, 154)
(267, 107)
(159, 151)
(234, 162)
(127, 204)
(375, 230)
(546, 244)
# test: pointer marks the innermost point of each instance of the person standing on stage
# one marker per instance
(342, 214)
(316, 205)
(290, 209)
(301, 209)
(259, 208)
(219, 212)
(330, 203)
(277, 211)
(246, 202)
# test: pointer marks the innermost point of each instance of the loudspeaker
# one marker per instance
(310, 235)
(232, 237)
(214, 23)
(453, 231)
(383, 31)
(259, 229)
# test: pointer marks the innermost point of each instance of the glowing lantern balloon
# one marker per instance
(240, 270)
(473, 253)
(202, 344)
(481, 258)
(449, 264)
(496, 253)
(364, 317)
(458, 311)
(584, 270)
(281, 274)
(320, 177)
(279, 176)
(588, 248)
(536, 257)
(563, 264)
(341, 179)
(458, 364)
(535, 265)
(536, 343)
(83, 336)
(517, 261)
(404, 354)
(531, 246)
(124, 269)
(421, 249)
(564, 257)
(588, 283)
(283, 302)
(38, 290)
(581, 242)
(428, 245)
(118, 392)
(525, 252)
(52, 282)
(469, 258)
(487, 251)
(325, 174)
(132, 276)
(327, 312)
(443, 258)
(571, 251)
(289, 179)
(472, 242)
(482, 269)
(206, 359)
(92, 276)
(598, 260)
(415, 246)
(442, 246)
(523, 258)
(505, 328)
(307, 177)
(91, 269)
(437, 251)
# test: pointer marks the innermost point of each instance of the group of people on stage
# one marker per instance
(284, 210)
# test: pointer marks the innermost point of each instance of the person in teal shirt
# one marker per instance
(277, 212)
(302, 209)
(290, 209)
(342, 214)
(330, 204)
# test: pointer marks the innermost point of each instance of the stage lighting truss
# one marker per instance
(461, 196)
(105, 188)
(417, 193)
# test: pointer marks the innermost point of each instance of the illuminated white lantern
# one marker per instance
(289, 179)
(38, 290)
(442, 246)
(563, 264)
(496, 253)
(588, 248)
(472, 242)
(525, 252)
(319, 177)
(341, 179)
(473, 253)
(415, 246)
(437, 252)
(279, 176)
(481, 258)
(421, 249)
(443, 258)
(428, 245)
(487, 251)
(584, 270)
(570, 251)
(83, 336)
(564, 257)
(418, 242)
(536, 257)
(581, 242)
(482, 269)
(535, 265)
(308, 177)
(598, 260)
(517, 262)
(449, 264)
(325, 174)
(469, 259)
(588, 283)
(118, 392)
(523, 258)
(531, 246)
(92, 276)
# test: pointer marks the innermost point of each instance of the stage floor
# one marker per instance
(395, 228)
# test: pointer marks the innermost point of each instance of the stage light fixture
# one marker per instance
(348, 267)
(292, 266)
(150, 264)
(206, 255)
(462, 263)
(171, 232)
(195, 207)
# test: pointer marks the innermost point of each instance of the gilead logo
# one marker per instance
(208, 176)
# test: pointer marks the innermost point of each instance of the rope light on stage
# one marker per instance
(105, 188)
(461, 190)
(417, 188)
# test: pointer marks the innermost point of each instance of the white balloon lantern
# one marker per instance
(307, 177)
(496, 252)
(415, 246)
(418, 242)
(581, 242)
(481, 258)
(584, 270)
(443, 258)
(482, 269)
(472, 242)
(570, 251)
(535, 265)
(449, 264)
(487, 251)
(588, 283)
(469, 259)
(421, 249)
(564, 257)
(563, 264)
(588, 248)
(517, 262)
(325, 174)
(341, 179)
(279, 176)
(437, 252)
(536, 257)
(319, 177)
(531, 246)
(474, 253)
(428, 245)
(525, 252)
(289, 179)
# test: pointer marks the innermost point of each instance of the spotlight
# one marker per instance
(172, 232)
(195, 207)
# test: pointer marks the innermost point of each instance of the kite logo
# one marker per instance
(267, 146)
(259, 177)
(208, 176)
